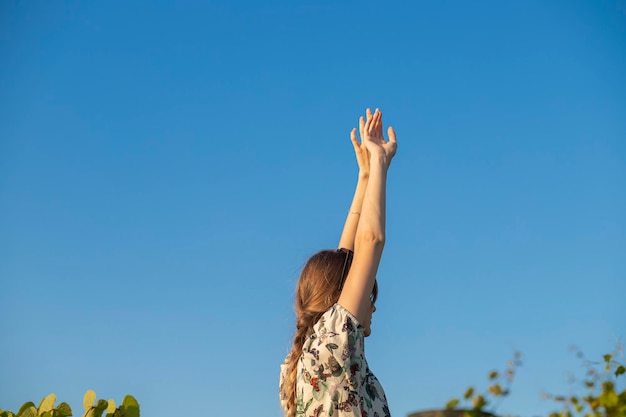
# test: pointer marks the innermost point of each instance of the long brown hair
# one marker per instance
(317, 290)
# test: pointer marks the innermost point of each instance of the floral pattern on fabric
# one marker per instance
(333, 376)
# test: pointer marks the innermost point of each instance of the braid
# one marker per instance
(304, 328)
(317, 290)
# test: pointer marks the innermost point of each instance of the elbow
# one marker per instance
(373, 238)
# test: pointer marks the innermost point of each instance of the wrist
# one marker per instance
(379, 160)
(364, 175)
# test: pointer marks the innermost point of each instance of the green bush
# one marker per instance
(93, 408)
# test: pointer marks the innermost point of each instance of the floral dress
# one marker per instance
(333, 377)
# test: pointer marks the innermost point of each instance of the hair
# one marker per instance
(317, 290)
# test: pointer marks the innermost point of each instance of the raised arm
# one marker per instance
(370, 231)
(363, 160)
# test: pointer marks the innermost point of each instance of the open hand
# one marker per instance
(372, 137)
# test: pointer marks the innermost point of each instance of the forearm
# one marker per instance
(352, 219)
(371, 226)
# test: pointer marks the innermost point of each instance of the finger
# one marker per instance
(392, 134)
(361, 127)
(378, 124)
(369, 121)
(355, 142)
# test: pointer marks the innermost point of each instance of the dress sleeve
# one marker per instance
(283, 376)
(336, 349)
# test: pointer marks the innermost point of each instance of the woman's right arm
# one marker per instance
(370, 233)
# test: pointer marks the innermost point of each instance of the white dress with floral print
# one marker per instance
(333, 377)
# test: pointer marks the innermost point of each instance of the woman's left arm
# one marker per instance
(352, 219)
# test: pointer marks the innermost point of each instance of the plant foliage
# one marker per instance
(600, 395)
(93, 408)
(478, 402)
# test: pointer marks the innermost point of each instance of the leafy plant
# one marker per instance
(602, 398)
(477, 403)
(93, 408)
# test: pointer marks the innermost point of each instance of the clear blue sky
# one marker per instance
(166, 169)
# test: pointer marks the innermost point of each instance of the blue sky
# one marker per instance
(166, 169)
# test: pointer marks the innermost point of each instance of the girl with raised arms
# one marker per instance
(326, 373)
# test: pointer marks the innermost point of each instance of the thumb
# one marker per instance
(355, 143)
(392, 134)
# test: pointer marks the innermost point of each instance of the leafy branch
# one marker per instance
(602, 397)
(499, 386)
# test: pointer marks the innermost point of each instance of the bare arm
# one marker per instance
(370, 231)
(352, 219)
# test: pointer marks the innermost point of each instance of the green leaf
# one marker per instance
(452, 403)
(608, 386)
(620, 370)
(131, 406)
(45, 414)
(468, 393)
(88, 399)
(24, 407)
(47, 403)
(607, 358)
(479, 402)
(493, 375)
(495, 389)
(608, 399)
(63, 410)
(100, 407)
(29, 411)
(111, 407)
(130, 401)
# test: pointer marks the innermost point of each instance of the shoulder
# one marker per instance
(337, 319)
(336, 331)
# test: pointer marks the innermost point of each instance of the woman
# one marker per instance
(326, 373)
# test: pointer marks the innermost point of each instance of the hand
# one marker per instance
(372, 137)
(360, 150)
